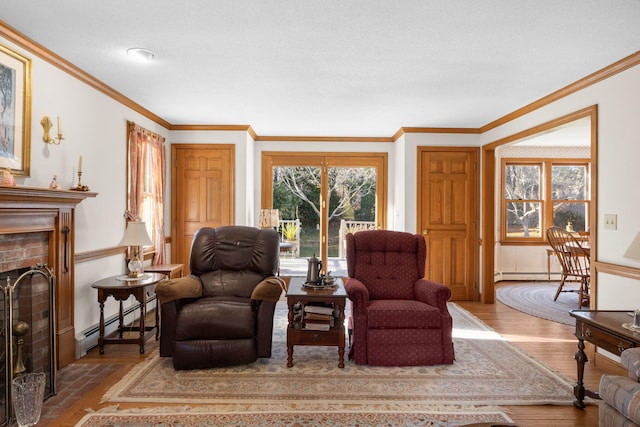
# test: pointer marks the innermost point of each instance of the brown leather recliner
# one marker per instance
(222, 313)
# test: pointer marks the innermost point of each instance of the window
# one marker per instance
(540, 193)
(145, 184)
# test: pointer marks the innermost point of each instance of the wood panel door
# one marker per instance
(202, 193)
(448, 217)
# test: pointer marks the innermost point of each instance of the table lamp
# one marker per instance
(269, 218)
(136, 235)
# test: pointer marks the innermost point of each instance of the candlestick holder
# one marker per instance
(80, 186)
(47, 124)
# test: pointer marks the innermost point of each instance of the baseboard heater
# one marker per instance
(88, 339)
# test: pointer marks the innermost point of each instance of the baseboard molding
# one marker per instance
(537, 276)
(88, 339)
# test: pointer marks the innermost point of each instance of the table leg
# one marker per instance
(120, 320)
(143, 314)
(157, 319)
(579, 390)
(340, 336)
(101, 336)
(290, 333)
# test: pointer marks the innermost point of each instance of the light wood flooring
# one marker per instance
(83, 383)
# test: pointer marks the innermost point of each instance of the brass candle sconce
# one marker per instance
(47, 124)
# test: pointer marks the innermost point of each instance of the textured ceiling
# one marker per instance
(334, 68)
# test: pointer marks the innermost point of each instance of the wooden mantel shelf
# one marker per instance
(33, 197)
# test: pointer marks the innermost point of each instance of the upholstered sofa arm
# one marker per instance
(630, 359)
(357, 292)
(433, 293)
(269, 289)
(182, 287)
(623, 394)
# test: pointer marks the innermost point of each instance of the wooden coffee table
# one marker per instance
(297, 335)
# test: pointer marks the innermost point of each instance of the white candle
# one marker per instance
(59, 127)
(80, 165)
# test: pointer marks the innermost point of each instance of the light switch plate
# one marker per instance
(610, 221)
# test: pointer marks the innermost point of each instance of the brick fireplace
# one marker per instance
(37, 226)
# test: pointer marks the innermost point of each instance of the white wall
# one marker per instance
(618, 100)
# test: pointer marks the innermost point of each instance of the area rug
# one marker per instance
(205, 416)
(488, 370)
(536, 299)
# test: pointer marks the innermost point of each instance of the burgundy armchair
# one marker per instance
(222, 313)
(398, 317)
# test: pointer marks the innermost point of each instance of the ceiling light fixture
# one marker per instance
(141, 53)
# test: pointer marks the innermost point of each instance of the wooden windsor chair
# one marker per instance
(574, 259)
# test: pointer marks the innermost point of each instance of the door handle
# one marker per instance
(425, 231)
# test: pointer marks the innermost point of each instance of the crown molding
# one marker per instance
(593, 78)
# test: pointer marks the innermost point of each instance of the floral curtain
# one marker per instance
(141, 143)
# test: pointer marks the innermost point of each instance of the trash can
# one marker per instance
(27, 393)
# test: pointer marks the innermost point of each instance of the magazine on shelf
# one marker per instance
(316, 326)
(319, 309)
(319, 318)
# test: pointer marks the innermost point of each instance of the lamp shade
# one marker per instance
(633, 251)
(269, 218)
(136, 235)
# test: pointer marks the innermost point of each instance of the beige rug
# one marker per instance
(330, 417)
(487, 371)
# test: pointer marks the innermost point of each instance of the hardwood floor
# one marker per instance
(82, 384)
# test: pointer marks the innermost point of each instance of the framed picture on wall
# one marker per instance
(15, 111)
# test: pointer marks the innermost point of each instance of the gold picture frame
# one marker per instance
(15, 112)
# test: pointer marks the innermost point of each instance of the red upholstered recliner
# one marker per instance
(222, 313)
(398, 317)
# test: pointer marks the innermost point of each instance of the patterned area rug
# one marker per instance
(204, 416)
(487, 371)
(536, 299)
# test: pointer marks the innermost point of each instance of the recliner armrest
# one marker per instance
(433, 293)
(357, 292)
(182, 287)
(269, 289)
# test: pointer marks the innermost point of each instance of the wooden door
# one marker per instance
(202, 193)
(448, 217)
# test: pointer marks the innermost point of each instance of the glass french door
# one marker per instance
(330, 195)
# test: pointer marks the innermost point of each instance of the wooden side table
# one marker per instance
(603, 329)
(172, 271)
(296, 335)
(121, 288)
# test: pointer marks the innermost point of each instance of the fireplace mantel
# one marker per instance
(32, 197)
(30, 209)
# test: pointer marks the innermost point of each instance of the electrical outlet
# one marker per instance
(610, 221)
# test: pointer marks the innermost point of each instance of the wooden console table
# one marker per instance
(296, 335)
(121, 288)
(603, 329)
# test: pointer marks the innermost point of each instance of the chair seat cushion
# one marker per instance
(211, 319)
(403, 314)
